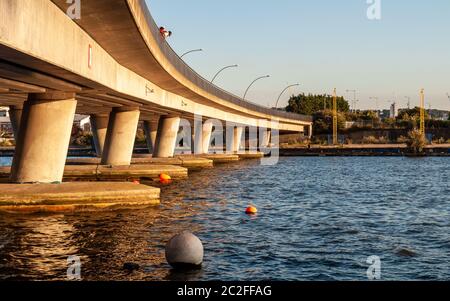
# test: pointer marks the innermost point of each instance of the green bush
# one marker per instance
(416, 141)
(80, 137)
(140, 137)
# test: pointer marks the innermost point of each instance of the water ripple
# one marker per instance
(319, 219)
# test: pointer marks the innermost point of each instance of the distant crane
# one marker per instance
(422, 112)
(409, 102)
(354, 99)
(448, 96)
(335, 119)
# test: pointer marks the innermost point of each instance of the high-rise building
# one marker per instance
(394, 111)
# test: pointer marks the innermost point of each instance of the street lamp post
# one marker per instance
(246, 91)
(294, 85)
(190, 51)
(220, 71)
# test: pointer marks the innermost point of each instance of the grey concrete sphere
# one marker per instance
(184, 250)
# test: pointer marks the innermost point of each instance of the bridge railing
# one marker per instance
(203, 83)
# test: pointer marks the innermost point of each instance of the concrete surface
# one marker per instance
(104, 173)
(150, 130)
(120, 136)
(99, 126)
(250, 155)
(44, 136)
(166, 137)
(15, 115)
(216, 158)
(188, 162)
(29, 198)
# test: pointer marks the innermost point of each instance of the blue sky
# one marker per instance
(320, 44)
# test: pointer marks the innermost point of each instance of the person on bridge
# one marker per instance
(164, 33)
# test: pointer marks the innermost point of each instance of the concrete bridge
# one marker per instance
(113, 65)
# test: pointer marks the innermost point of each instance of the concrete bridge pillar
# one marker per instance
(151, 129)
(120, 136)
(43, 138)
(310, 131)
(265, 138)
(206, 137)
(99, 126)
(15, 115)
(234, 137)
(166, 137)
(202, 137)
(197, 137)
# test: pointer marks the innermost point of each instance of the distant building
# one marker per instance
(5, 123)
(349, 124)
(393, 111)
(438, 114)
(384, 114)
(83, 122)
(432, 113)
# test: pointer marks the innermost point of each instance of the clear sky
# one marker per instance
(320, 44)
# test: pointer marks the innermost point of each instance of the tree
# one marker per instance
(311, 104)
(411, 114)
(323, 122)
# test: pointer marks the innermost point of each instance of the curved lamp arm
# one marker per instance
(281, 94)
(224, 68)
(195, 50)
(246, 91)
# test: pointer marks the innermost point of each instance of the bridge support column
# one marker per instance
(207, 132)
(150, 129)
(166, 137)
(202, 137)
(234, 137)
(43, 138)
(15, 115)
(99, 126)
(120, 136)
(265, 139)
(310, 131)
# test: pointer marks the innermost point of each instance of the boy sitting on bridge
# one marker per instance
(164, 33)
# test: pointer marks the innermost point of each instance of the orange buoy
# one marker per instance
(136, 181)
(251, 210)
(165, 177)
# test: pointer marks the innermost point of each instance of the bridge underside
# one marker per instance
(52, 68)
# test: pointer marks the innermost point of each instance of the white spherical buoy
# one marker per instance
(184, 250)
